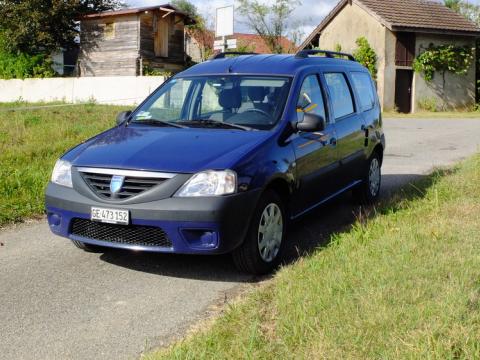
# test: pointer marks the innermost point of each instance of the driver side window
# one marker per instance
(210, 99)
(310, 99)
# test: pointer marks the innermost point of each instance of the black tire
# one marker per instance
(248, 257)
(368, 192)
(88, 247)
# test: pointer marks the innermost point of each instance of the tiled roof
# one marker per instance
(258, 44)
(254, 41)
(412, 15)
(419, 14)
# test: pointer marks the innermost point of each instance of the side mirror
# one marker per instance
(311, 123)
(123, 116)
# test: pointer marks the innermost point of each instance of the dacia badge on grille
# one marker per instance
(116, 183)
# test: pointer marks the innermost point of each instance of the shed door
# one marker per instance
(405, 49)
(161, 37)
(403, 91)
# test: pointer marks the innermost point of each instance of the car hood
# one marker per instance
(166, 149)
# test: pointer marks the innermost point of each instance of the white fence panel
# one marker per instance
(120, 90)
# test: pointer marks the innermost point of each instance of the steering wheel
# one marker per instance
(259, 111)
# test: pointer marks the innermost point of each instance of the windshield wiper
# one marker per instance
(220, 123)
(160, 122)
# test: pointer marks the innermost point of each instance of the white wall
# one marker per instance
(121, 90)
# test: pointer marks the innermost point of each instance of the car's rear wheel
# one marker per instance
(261, 252)
(368, 191)
(88, 247)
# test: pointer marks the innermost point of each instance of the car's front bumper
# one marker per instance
(211, 225)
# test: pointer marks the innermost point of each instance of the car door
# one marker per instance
(349, 126)
(316, 153)
(369, 106)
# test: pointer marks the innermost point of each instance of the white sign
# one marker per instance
(224, 21)
(218, 43)
(218, 47)
(232, 43)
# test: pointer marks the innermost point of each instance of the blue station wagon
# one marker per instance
(221, 157)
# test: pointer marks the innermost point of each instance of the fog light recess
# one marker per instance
(201, 238)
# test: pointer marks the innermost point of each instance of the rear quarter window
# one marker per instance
(364, 87)
(341, 96)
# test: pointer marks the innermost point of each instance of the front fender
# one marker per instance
(271, 163)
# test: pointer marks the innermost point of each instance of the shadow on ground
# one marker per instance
(305, 235)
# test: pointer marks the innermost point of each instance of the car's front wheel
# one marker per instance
(262, 249)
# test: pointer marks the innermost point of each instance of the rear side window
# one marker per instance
(364, 87)
(342, 102)
(310, 99)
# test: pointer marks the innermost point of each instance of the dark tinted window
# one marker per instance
(310, 99)
(364, 87)
(342, 102)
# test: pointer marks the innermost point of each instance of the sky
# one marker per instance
(310, 13)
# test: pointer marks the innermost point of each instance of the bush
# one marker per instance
(151, 71)
(366, 56)
(23, 66)
(443, 58)
(428, 104)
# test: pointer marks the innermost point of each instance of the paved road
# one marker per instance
(60, 303)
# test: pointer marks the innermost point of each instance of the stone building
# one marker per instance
(400, 30)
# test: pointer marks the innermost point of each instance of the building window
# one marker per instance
(109, 31)
(405, 51)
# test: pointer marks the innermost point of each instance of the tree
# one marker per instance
(42, 26)
(187, 7)
(270, 21)
(453, 4)
(469, 10)
(200, 30)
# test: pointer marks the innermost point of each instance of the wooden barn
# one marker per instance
(132, 41)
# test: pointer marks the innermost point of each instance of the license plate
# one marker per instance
(110, 216)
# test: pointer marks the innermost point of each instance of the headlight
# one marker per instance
(209, 183)
(62, 173)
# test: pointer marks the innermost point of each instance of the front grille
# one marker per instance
(100, 184)
(121, 234)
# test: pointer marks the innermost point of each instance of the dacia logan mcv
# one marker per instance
(222, 156)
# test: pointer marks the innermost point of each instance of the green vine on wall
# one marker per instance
(443, 58)
(366, 55)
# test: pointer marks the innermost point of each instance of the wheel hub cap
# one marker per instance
(270, 232)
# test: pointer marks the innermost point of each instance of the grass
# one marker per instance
(435, 115)
(31, 141)
(403, 284)
(32, 138)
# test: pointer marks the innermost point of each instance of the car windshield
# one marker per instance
(233, 101)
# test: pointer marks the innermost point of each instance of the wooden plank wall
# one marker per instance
(109, 57)
(134, 38)
(176, 52)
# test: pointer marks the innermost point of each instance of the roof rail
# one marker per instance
(303, 54)
(223, 55)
